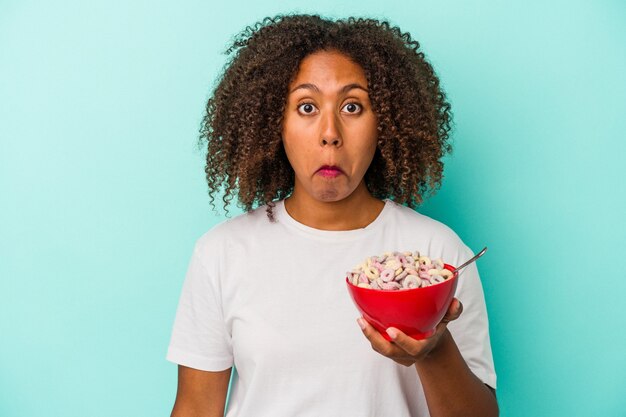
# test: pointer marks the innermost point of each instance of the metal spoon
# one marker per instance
(478, 255)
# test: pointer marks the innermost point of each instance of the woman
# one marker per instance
(330, 127)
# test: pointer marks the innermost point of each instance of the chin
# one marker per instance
(331, 195)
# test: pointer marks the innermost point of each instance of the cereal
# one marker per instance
(395, 271)
(371, 272)
(411, 282)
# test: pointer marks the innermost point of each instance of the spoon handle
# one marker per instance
(472, 259)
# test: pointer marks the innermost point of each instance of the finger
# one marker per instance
(408, 344)
(378, 342)
(454, 311)
(440, 329)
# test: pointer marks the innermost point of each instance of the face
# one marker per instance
(328, 121)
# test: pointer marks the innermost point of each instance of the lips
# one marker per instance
(329, 171)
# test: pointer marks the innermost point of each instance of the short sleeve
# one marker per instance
(471, 330)
(199, 337)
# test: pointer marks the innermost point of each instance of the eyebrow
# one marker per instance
(344, 89)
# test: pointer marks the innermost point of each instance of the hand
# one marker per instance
(404, 349)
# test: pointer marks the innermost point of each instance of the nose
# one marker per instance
(330, 131)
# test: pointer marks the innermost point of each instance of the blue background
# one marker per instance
(103, 193)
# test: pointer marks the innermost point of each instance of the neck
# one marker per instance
(354, 212)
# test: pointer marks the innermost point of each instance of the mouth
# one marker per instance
(329, 171)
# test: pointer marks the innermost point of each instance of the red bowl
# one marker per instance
(414, 311)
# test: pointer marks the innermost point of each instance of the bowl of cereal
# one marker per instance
(405, 290)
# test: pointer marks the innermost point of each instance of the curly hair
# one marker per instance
(243, 121)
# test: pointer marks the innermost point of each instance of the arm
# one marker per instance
(450, 387)
(201, 393)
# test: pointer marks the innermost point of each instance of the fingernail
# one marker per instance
(392, 333)
(361, 323)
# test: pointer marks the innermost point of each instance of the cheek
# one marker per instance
(288, 152)
(367, 156)
(368, 149)
(295, 154)
(370, 135)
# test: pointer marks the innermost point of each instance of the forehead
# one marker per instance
(329, 67)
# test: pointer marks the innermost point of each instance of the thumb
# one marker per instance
(454, 311)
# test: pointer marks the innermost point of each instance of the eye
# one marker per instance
(353, 108)
(307, 108)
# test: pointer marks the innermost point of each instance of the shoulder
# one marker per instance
(238, 227)
(428, 235)
(411, 220)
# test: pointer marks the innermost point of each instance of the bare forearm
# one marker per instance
(450, 387)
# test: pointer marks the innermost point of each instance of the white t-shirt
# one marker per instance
(271, 299)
